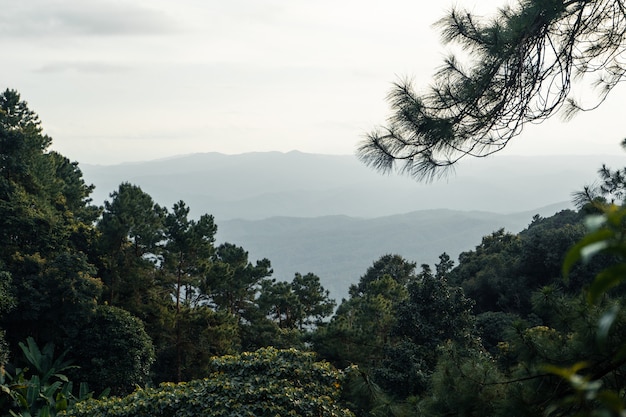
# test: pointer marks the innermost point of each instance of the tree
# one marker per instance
(432, 314)
(112, 351)
(278, 301)
(398, 268)
(301, 303)
(132, 232)
(54, 298)
(488, 274)
(610, 190)
(46, 231)
(361, 326)
(233, 282)
(7, 302)
(522, 66)
(314, 299)
(188, 250)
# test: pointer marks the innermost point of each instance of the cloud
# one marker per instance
(80, 18)
(91, 67)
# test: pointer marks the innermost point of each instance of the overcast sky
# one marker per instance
(119, 81)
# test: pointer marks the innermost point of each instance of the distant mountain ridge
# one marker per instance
(268, 184)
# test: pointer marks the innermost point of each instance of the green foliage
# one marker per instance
(432, 314)
(41, 389)
(131, 231)
(55, 297)
(301, 303)
(46, 231)
(112, 351)
(200, 334)
(233, 281)
(487, 275)
(268, 382)
(360, 328)
(592, 394)
(606, 236)
(565, 339)
(465, 382)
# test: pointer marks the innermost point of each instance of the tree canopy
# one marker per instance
(523, 65)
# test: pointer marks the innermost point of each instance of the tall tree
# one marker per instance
(522, 63)
(46, 229)
(301, 303)
(315, 300)
(131, 237)
(188, 250)
(233, 281)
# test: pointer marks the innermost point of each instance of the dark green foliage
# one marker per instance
(132, 230)
(361, 325)
(55, 297)
(7, 302)
(488, 274)
(278, 301)
(43, 198)
(201, 334)
(433, 313)
(503, 271)
(41, 388)
(268, 382)
(188, 249)
(544, 245)
(113, 351)
(398, 268)
(611, 190)
(301, 303)
(466, 382)
(314, 299)
(233, 281)
(494, 327)
(46, 229)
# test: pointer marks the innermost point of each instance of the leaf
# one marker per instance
(612, 401)
(605, 280)
(32, 353)
(605, 323)
(565, 373)
(595, 222)
(597, 240)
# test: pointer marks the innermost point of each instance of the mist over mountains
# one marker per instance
(333, 216)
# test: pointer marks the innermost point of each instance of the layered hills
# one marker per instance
(333, 216)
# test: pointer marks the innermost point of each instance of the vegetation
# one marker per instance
(136, 300)
(268, 382)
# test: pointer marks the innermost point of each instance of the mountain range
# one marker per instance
(332, 216)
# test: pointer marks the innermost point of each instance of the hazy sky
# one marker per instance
(118, 80)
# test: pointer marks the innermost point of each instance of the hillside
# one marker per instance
(339, 249)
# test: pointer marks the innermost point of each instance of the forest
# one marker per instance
(131, 309)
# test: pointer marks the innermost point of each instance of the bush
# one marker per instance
(268, 382)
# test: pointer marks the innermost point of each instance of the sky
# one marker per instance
(118, 81)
